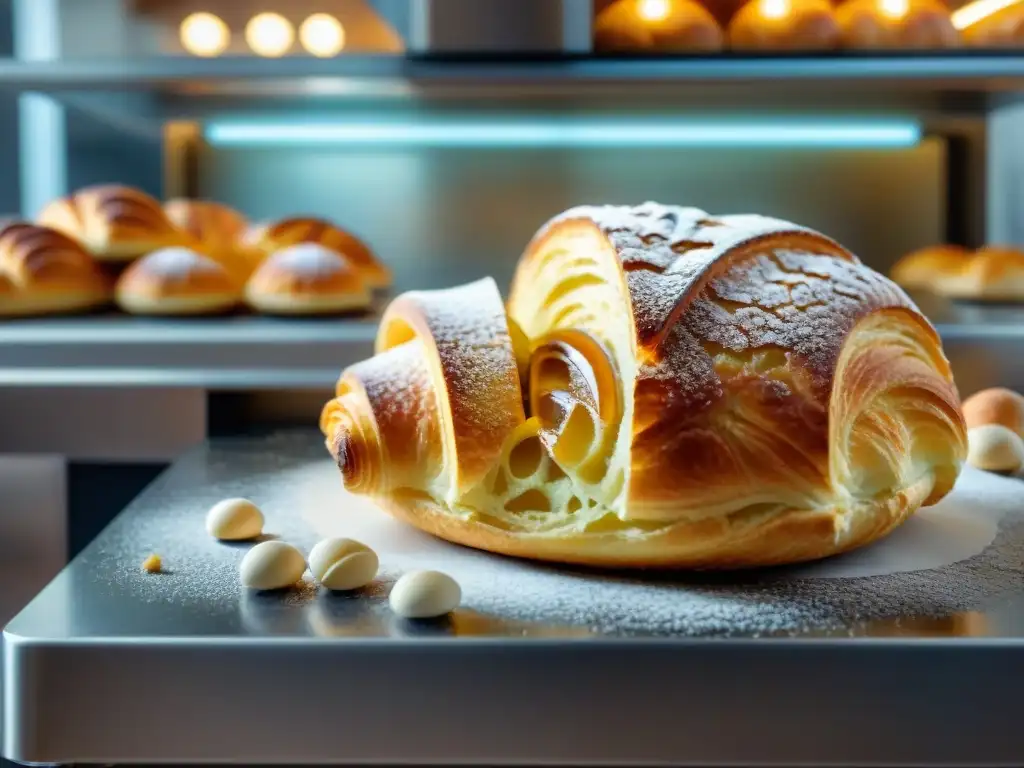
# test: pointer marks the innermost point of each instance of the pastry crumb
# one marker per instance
(152, 564)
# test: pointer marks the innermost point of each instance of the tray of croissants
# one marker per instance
(111, 246)
(666, 27)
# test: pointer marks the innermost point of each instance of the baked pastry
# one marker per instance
(679, 26)
(217, 231)
(908, 24)
(45, 272)
(177, 281)
(268, 238)
(923, 269)
(997, 405)
(995, 448)
(992, 274)
(113, 222)
(981, 26)
(784, 25)
(307, 279)
(703, 391)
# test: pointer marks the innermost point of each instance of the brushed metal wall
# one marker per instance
(446, 216)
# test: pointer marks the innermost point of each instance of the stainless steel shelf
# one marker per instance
(965, 70)
(242, 353)
(193, 87)
(110, 665)
(259, 353)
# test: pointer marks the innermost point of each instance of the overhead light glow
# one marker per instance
(654, 10)
(774, 9)
(972, 13)
(565, 132)
(894, 9)
(322, 35)
(270, 35)
(203, 34)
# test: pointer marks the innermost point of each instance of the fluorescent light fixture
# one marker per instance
(564, 132)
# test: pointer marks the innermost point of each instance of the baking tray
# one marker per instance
(111, 665)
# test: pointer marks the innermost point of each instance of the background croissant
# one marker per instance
(666, 389)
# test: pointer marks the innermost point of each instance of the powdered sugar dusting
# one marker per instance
(178, 263)
(301, 494)
(309, 261)
(470, 332)
(774, 283)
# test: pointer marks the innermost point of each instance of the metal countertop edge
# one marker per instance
(14, 641)
(810, 688)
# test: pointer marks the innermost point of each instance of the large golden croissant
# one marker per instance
(666, 389)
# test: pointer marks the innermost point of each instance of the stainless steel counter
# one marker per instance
(110, 665)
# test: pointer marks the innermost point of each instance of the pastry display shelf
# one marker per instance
(251, 353)
(111, 665)
(193, 87)
(231, 353)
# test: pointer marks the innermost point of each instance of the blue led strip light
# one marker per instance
(558, 132)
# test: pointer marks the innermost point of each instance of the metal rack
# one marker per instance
(168, 88)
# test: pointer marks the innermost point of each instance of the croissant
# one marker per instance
(686, 26)
(784, 25)
(217, 231)
(45, 272)
(177, 281)
(912, 24)
(666, 389)
(926, 268)
(307, 279)
(268, 238)
(113, 222)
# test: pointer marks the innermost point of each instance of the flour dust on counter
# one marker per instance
(958, 556)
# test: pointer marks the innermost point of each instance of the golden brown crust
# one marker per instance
(206, 220)
(176, 281)
(218, 231)
(792, 25)
(686, 27)
(306, 279)
(114, 222)
(993, 273)
(921, 24)
(45, 272)
(925, 268)
(997, 405)
(271, 237)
